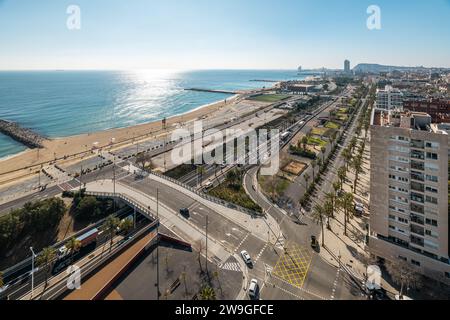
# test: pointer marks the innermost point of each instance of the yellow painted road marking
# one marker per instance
(293, 265)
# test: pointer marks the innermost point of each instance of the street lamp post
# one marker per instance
(157, 245)
(33, 255)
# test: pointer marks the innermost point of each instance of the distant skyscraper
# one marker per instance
(347, 66)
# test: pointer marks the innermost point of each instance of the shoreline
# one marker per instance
(66, 147)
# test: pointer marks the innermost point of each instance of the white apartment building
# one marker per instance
(409, 216)
(389, 99)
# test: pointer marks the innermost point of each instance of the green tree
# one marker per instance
(347, 204)
(304, 142)
(110, 227)
(347, 155)
(323, 150)
(73, 245)
(88, 208)
(207, 293)
(318, 215)
(330, 197)
(126, 225)
(46, 259)
(357, 166)
(142, 159)
(342, 175)
(319, 163)
(328, 209)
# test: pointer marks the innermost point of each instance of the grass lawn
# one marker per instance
(270, 97)
(316, 141)
(343, 117)
(322, 131)
(332, 125)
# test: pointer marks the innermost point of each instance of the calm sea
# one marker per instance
(63, 103)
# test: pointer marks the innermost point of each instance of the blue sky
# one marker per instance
(221, 34)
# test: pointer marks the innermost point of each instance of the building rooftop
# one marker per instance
(408, 120)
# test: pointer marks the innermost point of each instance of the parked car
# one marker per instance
(246, 257)
(314, 243)
(253, 289)
(359, 209)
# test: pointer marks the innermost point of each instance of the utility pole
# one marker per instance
(114, 184)
(33, 256)
(81, 173)
(207, 245)
(40, 169)
(157, 245)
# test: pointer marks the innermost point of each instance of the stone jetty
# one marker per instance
(25, 136)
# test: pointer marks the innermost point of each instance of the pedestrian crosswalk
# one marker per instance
(280, 243)
(231, 266)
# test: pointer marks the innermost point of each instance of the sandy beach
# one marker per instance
(75, 147)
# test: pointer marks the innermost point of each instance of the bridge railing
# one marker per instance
(127, 199)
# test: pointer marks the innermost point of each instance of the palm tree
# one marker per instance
(318, 216)
(328, 208)
(334, 137)
(110, 226)
(330, 197)
(347, 155)
(304, 142)
(346, 203)
(126, 225)
(46, 259)
(353, 143)
(207, 293)
(142, 159)
(342, 175)
(357, 166)
(336, 188)
(323, 150)
(73, 245)
(319, 163)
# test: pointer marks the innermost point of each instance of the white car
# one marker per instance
(253, 289)
(246, 257)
